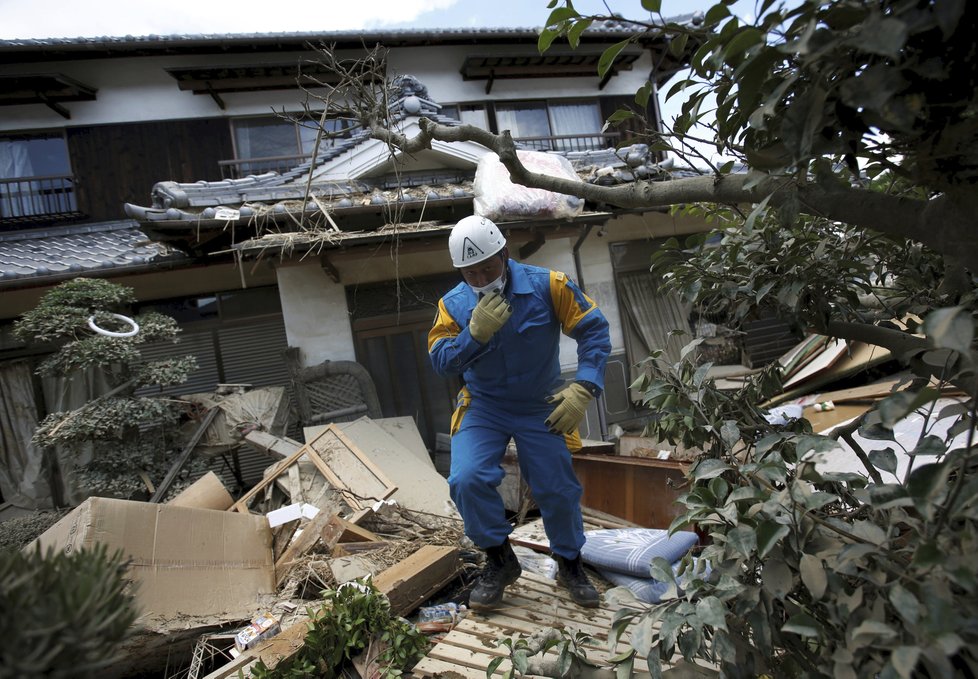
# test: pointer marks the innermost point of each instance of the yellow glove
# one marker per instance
(572, 402)
(488, 316)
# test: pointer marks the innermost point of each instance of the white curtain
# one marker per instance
(473, 116)
(576, 118)
(15, 163)
(24, 473)
(652, 314)
(523, 120)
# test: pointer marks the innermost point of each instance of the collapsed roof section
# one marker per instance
(358, 188)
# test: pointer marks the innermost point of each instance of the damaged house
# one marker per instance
(188, 168)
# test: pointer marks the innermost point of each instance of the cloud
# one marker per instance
(117, 18)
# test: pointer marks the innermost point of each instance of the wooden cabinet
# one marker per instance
(640, 490)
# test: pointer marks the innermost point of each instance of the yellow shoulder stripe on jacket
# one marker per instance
(443, 327)
(569, 307)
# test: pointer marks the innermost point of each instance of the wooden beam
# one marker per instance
(324, 527)
(412, 581)
(185, 455)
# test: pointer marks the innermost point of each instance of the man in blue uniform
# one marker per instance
(500, 329)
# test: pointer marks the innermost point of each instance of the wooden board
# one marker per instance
(409, 583)
(531, 604)
(831, 353)
(342, 464)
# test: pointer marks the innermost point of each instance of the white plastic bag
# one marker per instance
(499, 199)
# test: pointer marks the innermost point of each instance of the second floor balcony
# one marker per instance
(35, 199)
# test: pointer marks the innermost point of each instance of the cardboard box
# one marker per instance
(187, 564)
(261, 627)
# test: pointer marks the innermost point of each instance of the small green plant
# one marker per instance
(64, 615)
(353, 618)
(133, 431)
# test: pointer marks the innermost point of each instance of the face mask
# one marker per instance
(495, 286)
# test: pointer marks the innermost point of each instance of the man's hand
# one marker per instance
(488, 316)
(572, 402)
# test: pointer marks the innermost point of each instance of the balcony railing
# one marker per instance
(571, 142)
(33, 198)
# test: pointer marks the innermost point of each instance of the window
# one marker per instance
(470, 114)
(561, 126)
(35, 176)
(273, 143)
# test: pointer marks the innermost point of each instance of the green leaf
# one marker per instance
(729, 433)
(643, 94)
(904, 660)
(493, 664)
(609, 55)
(928, 555)
(715, 14)
(677, 46)
(905, 603)
(889, 496)
(776, 578)
(869, 531)
(895, 407)
(803, 625)
(813, 575)
(561, 14)
(652, 5)
(884, 459)
(950, 328)
(872, 630)
(929, 445)
(733, 50)
(711, 611)
(547, 36)
(575, 31)
(768, 535)
(927, 482)
(709, 468)
(743, 539)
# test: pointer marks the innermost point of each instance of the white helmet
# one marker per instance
(473, 240)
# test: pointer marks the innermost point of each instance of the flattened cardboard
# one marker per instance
(187, 564)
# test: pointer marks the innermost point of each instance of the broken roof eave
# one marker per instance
(300, 244)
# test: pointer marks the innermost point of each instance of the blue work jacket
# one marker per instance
(521, 363)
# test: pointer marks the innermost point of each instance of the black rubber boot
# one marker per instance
(502, 568)
(570, 574)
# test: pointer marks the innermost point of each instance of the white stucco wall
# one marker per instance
(315, 314)
(315, 308)
(139, 89)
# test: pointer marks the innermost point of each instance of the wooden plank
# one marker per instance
(274, 445)
(323, 527)
(412, 581)
(354, 533)
(348, 469)
(473, 635)
(188, 450)
(339, 453)
(280, 467)
(432, 667)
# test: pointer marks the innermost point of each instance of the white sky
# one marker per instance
(116, 18)
(24, 19)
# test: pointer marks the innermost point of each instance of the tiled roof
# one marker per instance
(252, 40)
(65, 252)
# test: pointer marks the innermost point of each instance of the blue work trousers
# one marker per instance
(481, 432)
